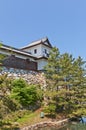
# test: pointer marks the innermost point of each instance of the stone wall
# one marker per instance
(18, 63)
(32, 77)
(48, 124)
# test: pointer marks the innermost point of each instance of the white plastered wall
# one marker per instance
(40, 50)
(31, 50)
(41, 64)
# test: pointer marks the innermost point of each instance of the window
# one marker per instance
(35, 51)
(45, 51)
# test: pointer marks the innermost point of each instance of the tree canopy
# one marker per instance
(66, 82)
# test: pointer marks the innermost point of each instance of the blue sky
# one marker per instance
(62, 21)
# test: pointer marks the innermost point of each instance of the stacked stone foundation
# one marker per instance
(31, 77)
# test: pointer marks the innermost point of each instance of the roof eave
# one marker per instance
(16, 51)
(41, 58)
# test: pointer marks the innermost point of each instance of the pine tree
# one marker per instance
(66, 81)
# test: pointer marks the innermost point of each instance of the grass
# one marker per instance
(23, 118)
(27, 118)
(31, 119)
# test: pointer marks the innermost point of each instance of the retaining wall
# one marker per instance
(56, 124)
(31, 77)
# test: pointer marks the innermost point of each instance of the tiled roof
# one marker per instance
(44, 41)
(6, 47)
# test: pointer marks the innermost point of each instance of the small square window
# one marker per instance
(35, 51)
